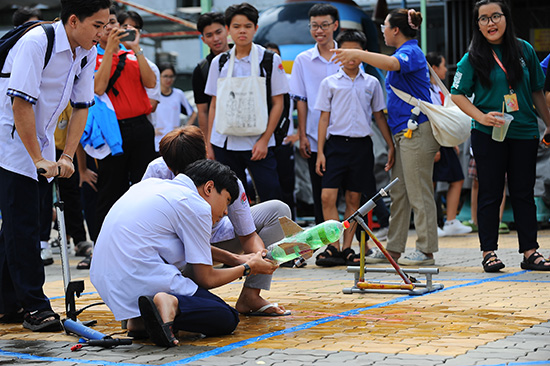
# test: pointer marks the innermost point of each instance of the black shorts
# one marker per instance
(349, 164)
(448, 168)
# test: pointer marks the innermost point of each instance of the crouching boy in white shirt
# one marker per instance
(151, 233)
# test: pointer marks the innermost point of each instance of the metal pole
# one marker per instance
(424, 27)
(159, 14)
(206, 7)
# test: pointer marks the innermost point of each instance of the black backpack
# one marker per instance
(266, 65)
(10, 39)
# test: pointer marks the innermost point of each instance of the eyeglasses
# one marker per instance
(315, 26)
(495, 18)
(383, 27)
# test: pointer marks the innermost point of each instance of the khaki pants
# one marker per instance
(414, 160)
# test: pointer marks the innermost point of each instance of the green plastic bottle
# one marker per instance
(309, 239)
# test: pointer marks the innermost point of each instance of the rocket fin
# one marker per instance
(289, 227)
(303, 249)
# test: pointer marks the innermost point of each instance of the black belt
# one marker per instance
(133, 121)
(346, 138)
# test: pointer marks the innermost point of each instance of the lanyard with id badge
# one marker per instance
(510, 100)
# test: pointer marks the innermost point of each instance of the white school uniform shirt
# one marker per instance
(167, 115)
(279, 85)
(350, 103)
(148, 236)
(434, 94)
(308, 71)
(153, 93)
(238, 220)
(48, 89)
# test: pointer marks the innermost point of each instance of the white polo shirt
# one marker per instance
(307, 73)
(49, 90)
(238, 221)
(167, 115)
(350, 103)
(150, 233)
(279, 85)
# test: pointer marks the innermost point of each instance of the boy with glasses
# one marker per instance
(310, 68)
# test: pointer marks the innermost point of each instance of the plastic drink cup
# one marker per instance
(499, 133)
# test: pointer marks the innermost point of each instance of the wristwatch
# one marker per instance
(140, 52)
(246, 269)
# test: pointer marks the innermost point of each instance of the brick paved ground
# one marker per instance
(477, 319)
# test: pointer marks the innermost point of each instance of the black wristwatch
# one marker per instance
(246, 269)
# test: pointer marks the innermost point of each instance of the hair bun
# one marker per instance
(414, 18)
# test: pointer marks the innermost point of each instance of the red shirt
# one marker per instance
(132, 100)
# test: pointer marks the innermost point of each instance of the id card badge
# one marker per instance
(511, 101)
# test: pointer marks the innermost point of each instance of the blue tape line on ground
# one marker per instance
(24, 356)
(527, 363)
(314, 323)
(82, 294)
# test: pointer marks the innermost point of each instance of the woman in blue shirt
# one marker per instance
(407, 71)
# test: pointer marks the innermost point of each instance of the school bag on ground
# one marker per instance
(10, 39)
(266, 66)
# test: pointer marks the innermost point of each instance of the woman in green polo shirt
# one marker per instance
(503, 72)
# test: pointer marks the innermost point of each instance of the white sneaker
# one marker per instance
(382, 233)
(440, 232)
(47, 256)
(455, 227)
(416, 258)
(376, 257)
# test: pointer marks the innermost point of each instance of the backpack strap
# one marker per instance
(223, 59)
(203, 65)
(50, 35)
(116, 74)
(267, 65)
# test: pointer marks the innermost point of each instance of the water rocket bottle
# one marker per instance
(310, 239)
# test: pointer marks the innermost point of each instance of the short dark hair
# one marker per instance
(434, 58)
(400, 18)
(181, 147)
(207, 19)
(81, 8)
(167, 65)
(274, 46)
(123, 15)
(241, 9)
(23, 14)
(352, 35)
(202, 171)
(321, 9)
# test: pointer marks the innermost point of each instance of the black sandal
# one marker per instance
(530, 263)
(330, 257)
(85, 263)
(353, 259)
(491, 263)
(36, 321)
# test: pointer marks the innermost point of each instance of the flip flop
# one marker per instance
(261, 311)
(160, 333)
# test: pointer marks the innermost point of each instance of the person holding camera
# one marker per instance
(122, 71)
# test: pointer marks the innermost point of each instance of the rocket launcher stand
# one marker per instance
(72, 288)
(410, 285)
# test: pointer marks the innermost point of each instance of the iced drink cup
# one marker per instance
(499, 133)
